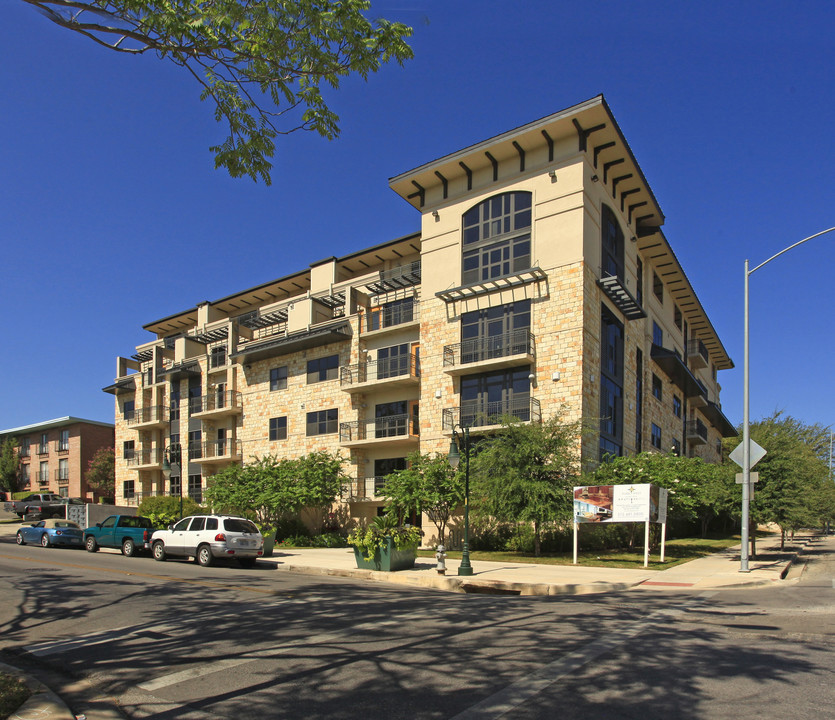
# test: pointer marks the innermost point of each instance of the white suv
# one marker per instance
(208, 537)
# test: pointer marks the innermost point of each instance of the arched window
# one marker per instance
(611, 245)
(497, 237)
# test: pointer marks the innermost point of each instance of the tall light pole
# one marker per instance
(454, 459)
(746, 428)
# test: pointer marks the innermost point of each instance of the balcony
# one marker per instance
(43, 478)
(393, 431)
(699, 399)
(363, 488)
(392, 315)
(680, 374)
(43, 449)
(217, 452)
(517, 347)
(390, 372)
(218, 404)
(145, 459)
(145, 418)
(62, 476)
(484, 415)
(697, 354)
(396, 278)
(695, 432)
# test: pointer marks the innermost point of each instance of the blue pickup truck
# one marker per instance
(131, 533)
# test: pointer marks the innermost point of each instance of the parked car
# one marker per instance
(38, 504)
(210, 537)
(128, 532)
(51, 532)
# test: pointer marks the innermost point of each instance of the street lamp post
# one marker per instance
(746, 428)
(463, 437)
(172, 457)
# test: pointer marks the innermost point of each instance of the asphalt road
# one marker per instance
(174, 640)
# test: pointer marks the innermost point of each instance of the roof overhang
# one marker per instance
(121, 386)
(294, 342)
(717, 418)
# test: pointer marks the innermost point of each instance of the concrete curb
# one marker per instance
(43, 703)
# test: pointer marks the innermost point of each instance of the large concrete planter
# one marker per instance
(387, 558)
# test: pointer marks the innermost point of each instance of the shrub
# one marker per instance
(329, 540)
(165, 509)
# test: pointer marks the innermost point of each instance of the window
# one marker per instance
(128, 449)
(63, 469)
(322, 422)
(195, 488)
(639, 289)
(656, 436)
(391, 419)
(175, 402)
(195, 444)
(217, 358)
(24, 447)
(128, 409)
(393, 361)
(639, 400)
(486, 397)
(396, 312)
(43, 446)
(676, 406)
(657, 387)
(321, 369)
(496, 237)
(43, 473)
(676, 448)
(128, 491)
(611, 250)
(658, 288)
(174, 487)
(24, 475)
(64, 442)
(278, 428)
(495, 332)
(677, 319)
(657, 334)
(611, 384)
(278, 378)
(719, 447)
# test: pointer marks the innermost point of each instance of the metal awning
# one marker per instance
(717, 418)
(293, 342)
(187, 368)
(526, 277)
(675, 369)
(624, 301)
(121, 386)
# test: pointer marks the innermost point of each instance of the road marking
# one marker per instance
(507, 700)
(96, 638)
(193, 673)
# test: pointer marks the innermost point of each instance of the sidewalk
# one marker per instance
(720, 570)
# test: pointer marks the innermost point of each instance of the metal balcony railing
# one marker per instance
(392, 314)
(148, 415)
(43, 449)
(222, 400)
(363, 488)
(515, 342)
(62, 447)
(379, 428)
(215, 450)
(62, 475)
(477, 413)
(697, 353)
(43, 478)
(396, 278)
(374, 370)
(145, 457)
(696, 431)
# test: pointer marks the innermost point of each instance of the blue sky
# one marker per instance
(112, 215)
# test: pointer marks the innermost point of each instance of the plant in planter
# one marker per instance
(385, 545)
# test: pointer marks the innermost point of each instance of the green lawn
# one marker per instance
(676, 553)
(13, 693)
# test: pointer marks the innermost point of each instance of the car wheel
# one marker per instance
(246, 562)
(19, 538)
(44, 540)
(204, 556)
(90, 544)
(128, 548)
(159, 551)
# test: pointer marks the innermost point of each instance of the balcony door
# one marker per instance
(495, 332)
(486, 397)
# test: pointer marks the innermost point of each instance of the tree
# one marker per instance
(263, 63)
(428, 485)
(101, 473)
(525, 473)
(9, 464)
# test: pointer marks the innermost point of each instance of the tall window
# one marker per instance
(391, 313)
(217, 358)
(658, 288)
(639, 290)
(393, 361)
(128, 489)
(195, 488)
(128, 409)
(195, 444)
(656, 436)
(486, 397)
(639, 400)
(321, 369)
(391, 419)
(611, 249)
(611, 385)
(677, 318)
(174, 394)
(24, 475)
(128, 449)
(657, 335)
(43, 446)
(495, 332)
(63, 469)
(64, 442)
(657, 387)
(676, 406)
(25, 447)
(43, 473)
(497, 237)
(278, 378)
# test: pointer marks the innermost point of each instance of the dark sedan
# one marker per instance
(51, 532)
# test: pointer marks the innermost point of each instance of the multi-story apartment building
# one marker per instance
(54, 455)
(540, 279)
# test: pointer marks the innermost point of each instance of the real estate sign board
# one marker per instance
(620, 503)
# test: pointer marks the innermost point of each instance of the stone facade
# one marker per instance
(379, 353)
